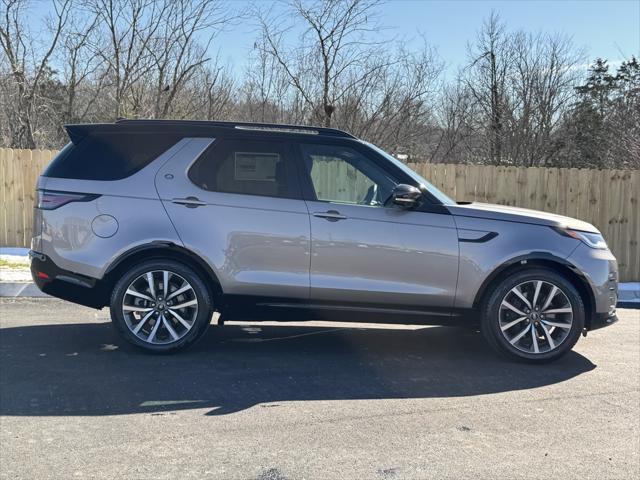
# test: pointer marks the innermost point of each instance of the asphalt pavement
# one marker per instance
(309, 400)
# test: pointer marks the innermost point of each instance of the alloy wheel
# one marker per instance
(160, 307)
(535, 316)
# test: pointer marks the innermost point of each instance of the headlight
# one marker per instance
(593, 240)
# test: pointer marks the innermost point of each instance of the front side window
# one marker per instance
(441, 197)
(341, 174)
(246, 167)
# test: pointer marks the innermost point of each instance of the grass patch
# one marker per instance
(7, 264)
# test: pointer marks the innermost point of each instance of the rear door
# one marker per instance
(239, 207)
(363, 251)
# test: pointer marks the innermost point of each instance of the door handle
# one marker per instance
(189, 202)
(331, 215)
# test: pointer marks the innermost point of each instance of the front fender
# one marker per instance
(482, 262)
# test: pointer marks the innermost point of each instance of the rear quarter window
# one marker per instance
(109, 156)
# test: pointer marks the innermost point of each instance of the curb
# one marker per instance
(629, 291)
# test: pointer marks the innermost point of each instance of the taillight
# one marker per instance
(50, 200)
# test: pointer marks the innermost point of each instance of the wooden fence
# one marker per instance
(19, 171)
(606, 198)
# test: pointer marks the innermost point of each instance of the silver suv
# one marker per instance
(166, 222)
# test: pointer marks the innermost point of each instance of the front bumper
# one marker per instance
(601, 320)
(600, 270)
(73, 287)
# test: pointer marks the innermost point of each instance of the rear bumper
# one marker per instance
(73, 287)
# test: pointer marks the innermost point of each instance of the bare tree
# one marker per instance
(265, 89)
(542, 76)
(458, 136)
(393, 105)
(176, 53)
(486, 79)
(28, 64)
(331, 52)
(130, 30)
(521, 84)
(339, 74)
(210, 95)
(82, 77)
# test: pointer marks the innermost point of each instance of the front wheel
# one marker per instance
(533, 315)
(161, 306)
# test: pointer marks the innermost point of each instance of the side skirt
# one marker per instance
(289, 310)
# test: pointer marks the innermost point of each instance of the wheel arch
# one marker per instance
(546, 260)
(164, 250)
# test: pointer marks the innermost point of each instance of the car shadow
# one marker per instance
(86, 369)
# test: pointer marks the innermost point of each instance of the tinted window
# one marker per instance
(109, 156)
(246, 166)
(343, 175)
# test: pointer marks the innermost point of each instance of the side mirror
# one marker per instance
(406, 196)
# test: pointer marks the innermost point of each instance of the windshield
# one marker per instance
(444, 199)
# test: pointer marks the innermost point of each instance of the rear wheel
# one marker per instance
(533, 315)
(161, 306)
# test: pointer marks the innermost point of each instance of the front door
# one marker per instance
(239, 207)
(365, 252)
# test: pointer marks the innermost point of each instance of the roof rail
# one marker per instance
(270, 127)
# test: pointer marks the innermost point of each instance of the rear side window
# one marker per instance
(246, 167)
(109, 156)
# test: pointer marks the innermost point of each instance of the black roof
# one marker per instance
(79, 131)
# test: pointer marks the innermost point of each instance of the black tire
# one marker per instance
(490, 311)
(202, 316)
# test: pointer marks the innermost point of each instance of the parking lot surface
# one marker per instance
(313, 400)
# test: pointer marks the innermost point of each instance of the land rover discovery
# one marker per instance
(166, 222)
